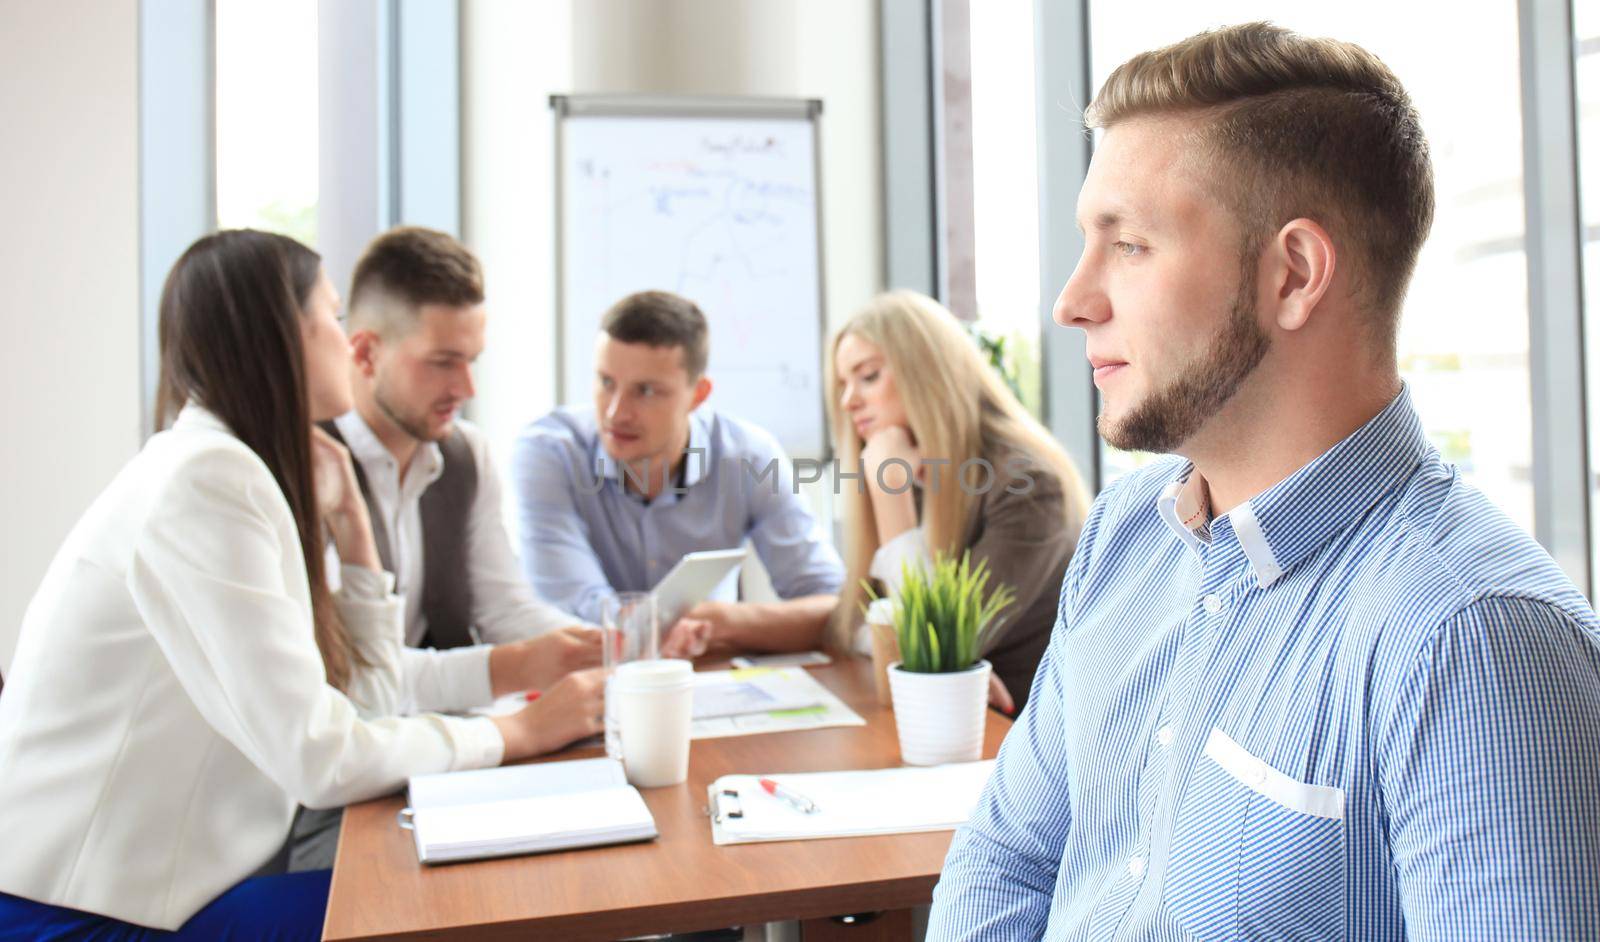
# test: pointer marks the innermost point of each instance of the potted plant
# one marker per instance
(940, 686)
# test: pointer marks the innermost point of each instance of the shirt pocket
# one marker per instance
(1257, 854)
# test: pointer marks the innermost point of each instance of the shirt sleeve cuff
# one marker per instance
(453, 680)
(360, 584)
(910, 546)
(477, 741)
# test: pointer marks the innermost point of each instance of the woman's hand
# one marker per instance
(339, 502)
(572, 709)
(890, 459)
(1000, 697)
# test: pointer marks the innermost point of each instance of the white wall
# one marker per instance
(825, 49)
(69, 258)
(515, 54)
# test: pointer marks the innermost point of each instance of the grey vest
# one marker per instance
(445, 507)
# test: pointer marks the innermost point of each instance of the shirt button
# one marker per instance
(1136, 866)
(1258, 775)
(1212, 604)
(1164, 736)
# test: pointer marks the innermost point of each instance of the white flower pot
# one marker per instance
(940, 716)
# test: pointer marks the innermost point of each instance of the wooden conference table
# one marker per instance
(676, 883)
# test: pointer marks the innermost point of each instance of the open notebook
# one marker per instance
(848, 804)
(524, 809)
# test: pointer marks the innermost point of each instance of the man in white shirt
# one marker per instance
(416, 327)
(473, 628)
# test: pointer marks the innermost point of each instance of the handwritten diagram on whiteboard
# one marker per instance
(722, 210)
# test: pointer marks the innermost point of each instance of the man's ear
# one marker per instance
(365, 346)
(702, 389)
(1301, 266)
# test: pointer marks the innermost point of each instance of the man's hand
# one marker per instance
(572, 709)
(688, 638)
(540, 662)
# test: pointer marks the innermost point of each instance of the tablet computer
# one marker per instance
(692, 581)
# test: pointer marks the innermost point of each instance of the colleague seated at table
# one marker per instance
(1307, 682)
(416, 320)
(184, 676)
(611, 496)
(949, 462)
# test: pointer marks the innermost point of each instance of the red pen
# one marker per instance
(531, 696)
(789, 797)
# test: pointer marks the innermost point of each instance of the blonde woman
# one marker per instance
(949, 461)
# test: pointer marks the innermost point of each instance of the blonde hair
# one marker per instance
(958, 409)
(1296, 127)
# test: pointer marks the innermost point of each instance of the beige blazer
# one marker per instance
(167, 707)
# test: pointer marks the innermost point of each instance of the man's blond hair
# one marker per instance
(1290, 127)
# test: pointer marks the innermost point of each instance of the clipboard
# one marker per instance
(848, 804)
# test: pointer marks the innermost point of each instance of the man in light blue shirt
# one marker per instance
(611, 497)
(1305, 682)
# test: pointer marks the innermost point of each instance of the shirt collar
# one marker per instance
(427, 463)
(1289, 520)
(696, 468)
(194, 415)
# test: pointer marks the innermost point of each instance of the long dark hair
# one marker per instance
(231, 343)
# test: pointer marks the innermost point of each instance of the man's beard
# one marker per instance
(1173, 413)
(411, 425)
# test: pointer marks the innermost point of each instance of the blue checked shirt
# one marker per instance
(1363, 705)
(585, 536)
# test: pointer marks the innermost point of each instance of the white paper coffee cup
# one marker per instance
(655, 700)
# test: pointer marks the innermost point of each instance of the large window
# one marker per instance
(1464, 331)
(1005, 185)
(266, 113)
(1586, 30)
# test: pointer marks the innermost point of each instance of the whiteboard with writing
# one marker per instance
(716, 201)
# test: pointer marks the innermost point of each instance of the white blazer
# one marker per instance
(167, 705)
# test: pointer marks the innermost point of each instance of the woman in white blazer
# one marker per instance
(183, 676)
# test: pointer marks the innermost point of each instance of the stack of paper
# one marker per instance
(753, 690)
(764, 700)
(525, 809)
(849, 804)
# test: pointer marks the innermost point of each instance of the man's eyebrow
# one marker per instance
(1106, 219)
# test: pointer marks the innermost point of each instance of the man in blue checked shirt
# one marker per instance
(610, 497)
(1305, 682)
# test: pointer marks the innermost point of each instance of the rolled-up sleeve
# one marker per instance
(796, 552)
(373, 616)
(557, 558)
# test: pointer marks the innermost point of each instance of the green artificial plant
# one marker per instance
(943, 612)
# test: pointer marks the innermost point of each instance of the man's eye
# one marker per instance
(1128, 249)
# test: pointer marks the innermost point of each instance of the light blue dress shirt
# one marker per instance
(1363, 706)
(584, 536)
